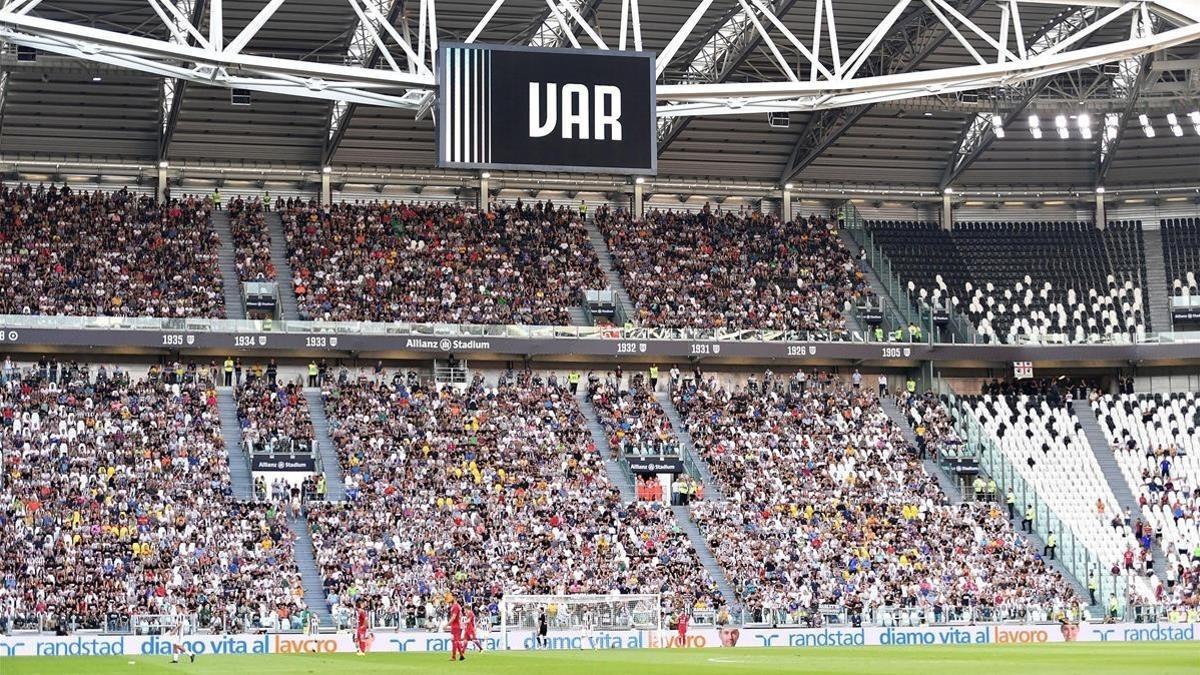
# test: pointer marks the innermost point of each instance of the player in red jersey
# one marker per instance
(683, 626)
(469, 631)
(360, 632)
(457, 647)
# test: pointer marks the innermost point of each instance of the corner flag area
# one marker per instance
(1058, 659)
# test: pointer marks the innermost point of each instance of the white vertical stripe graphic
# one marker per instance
(469, 103)
(489, 106)
(457, 72)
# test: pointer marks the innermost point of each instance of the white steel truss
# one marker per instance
(364, 50)
(815, 72)
(984, 128)
(1133, 75)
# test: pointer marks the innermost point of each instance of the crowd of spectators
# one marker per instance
(251, 239)
(480, 490)
(274, 416)
(829, 507)
(68, 252)
(396, 261)
(732, 270)
(632, 418)
(116, 503)
(932, 425)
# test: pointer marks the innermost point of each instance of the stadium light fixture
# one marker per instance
(1100, 190)
(1194, 116)
(998, 126)
(1035, 126)
(1060, 123)
(1176, 129)
(1147, 128)
(163, 164)
(639, 180)
(327, 169)
(1084, 122)
(788, 186)
(485, 174)
(948, 191)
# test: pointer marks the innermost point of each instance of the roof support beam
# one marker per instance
(979, 133)
(173, 88)
(724, 50)
(1133, 77)
(341, 112)
(903, 49)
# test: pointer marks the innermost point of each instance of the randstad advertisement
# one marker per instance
(130, 645)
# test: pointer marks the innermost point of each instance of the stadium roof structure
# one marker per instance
(908, 95)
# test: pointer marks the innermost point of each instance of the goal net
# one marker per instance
(520, 616)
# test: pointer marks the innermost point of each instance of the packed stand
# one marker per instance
(274, 416)
(730, 270)
(396, 261)
(632, 418)
(116, 505)
(1044, 443)
(933, 427)
(251, 240)
(828, 507)
(1156, 443)
(1026, 282)
(65, 252)
(479, 490)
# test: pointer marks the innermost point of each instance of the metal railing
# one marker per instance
(1074, 555)
(913, 310)
(440, 330)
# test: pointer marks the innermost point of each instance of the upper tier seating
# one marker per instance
(1045, 445)
(728, 270)
(116, 502)
(827, 505)
(485, 489)
(1146, 431)
(251, 239)
(1026, 281)
(112, 254)
(1181, 253)
(392, 261)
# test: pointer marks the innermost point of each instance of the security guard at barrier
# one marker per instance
(914, 332)
(897, 335)
(1011, 499)
(654, 377)
(1113, 607)
(910, 386)
(582, 210)
(1027, 523)
(1051, 544)
(228, 371)
(991, 489)
(879, 333)
(268, 323)
(216, 198)
(573, 380)
(1092, 585)
(978, 485)
(266, 200)
(312, 373)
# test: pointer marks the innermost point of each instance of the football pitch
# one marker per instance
(1122, 658)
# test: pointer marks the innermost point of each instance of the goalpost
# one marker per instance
(519, 614)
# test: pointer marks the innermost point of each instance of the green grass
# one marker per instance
(1057, 659)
